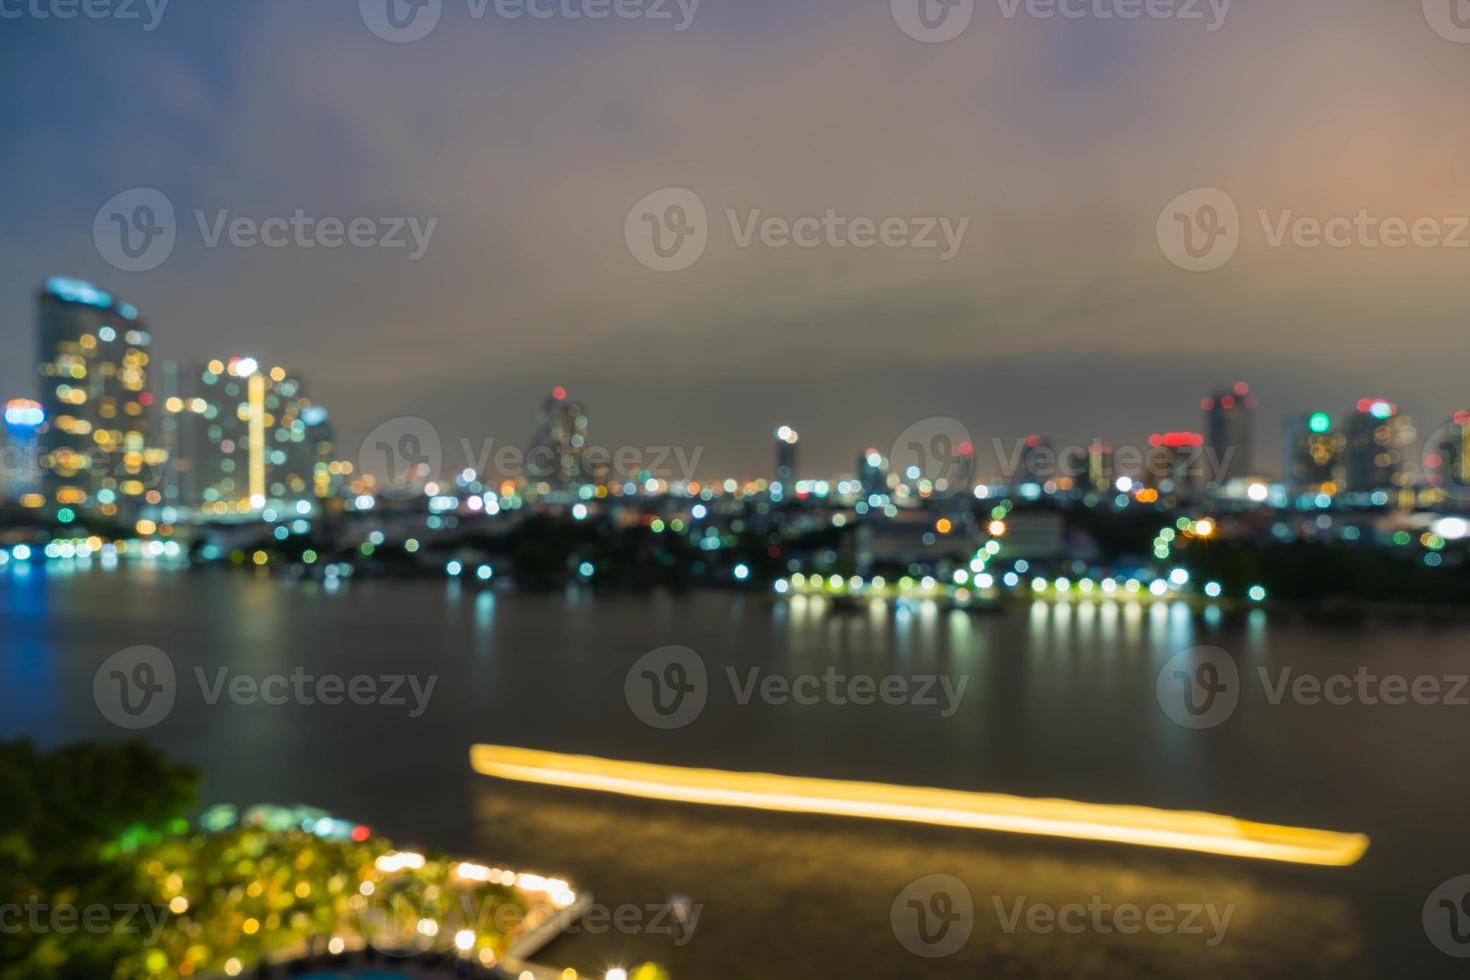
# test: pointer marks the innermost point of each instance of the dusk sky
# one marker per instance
(530, 140)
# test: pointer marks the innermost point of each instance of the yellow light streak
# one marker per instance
(1203, 832)
(255, 388)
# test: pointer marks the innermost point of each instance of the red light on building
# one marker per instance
(559, 393)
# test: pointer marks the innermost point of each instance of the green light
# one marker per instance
(66, 515)
(1320, 423)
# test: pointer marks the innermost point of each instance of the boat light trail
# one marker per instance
(1203, 832)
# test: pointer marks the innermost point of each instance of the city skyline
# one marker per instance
(1228, 427)
(528, 282)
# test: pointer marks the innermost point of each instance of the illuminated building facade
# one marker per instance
(1315, 455)
(248, 437)
(872, 473)
(94, 451)
(1229, 416)
(1176, 462)
(557, 453)
(787, 439)
(1381, 451)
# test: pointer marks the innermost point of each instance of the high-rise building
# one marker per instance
(93, 362)
(787, 439)
(1175, 463)
(1314, 462)
(1381, 455)
(872, 473)
(19, 465)
(557, 453)
(1229, 417)
(246, 438)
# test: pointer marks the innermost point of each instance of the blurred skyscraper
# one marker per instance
(1229, 418)
(558, 450)
(93, 362)
(872, 473)
(1314, 456)
(787, 440)
(1381, 451)
(246, 438)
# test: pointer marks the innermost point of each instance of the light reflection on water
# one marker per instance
(1060, 703)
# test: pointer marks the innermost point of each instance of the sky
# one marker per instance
(1058, 141)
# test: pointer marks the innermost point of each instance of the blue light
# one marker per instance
(454, 569)
(585, 569)
(742, 572)
(484, 572)
(314, 415)
(78, 291)
(23, 417)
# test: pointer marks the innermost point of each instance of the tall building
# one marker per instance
(1381, 455)
(19, 465)
(787, 439)
(93, 362)
(557, 453)
(1314, 462)
(872, 473)
(1229, 418)
(1175, 464)
(246, 438)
